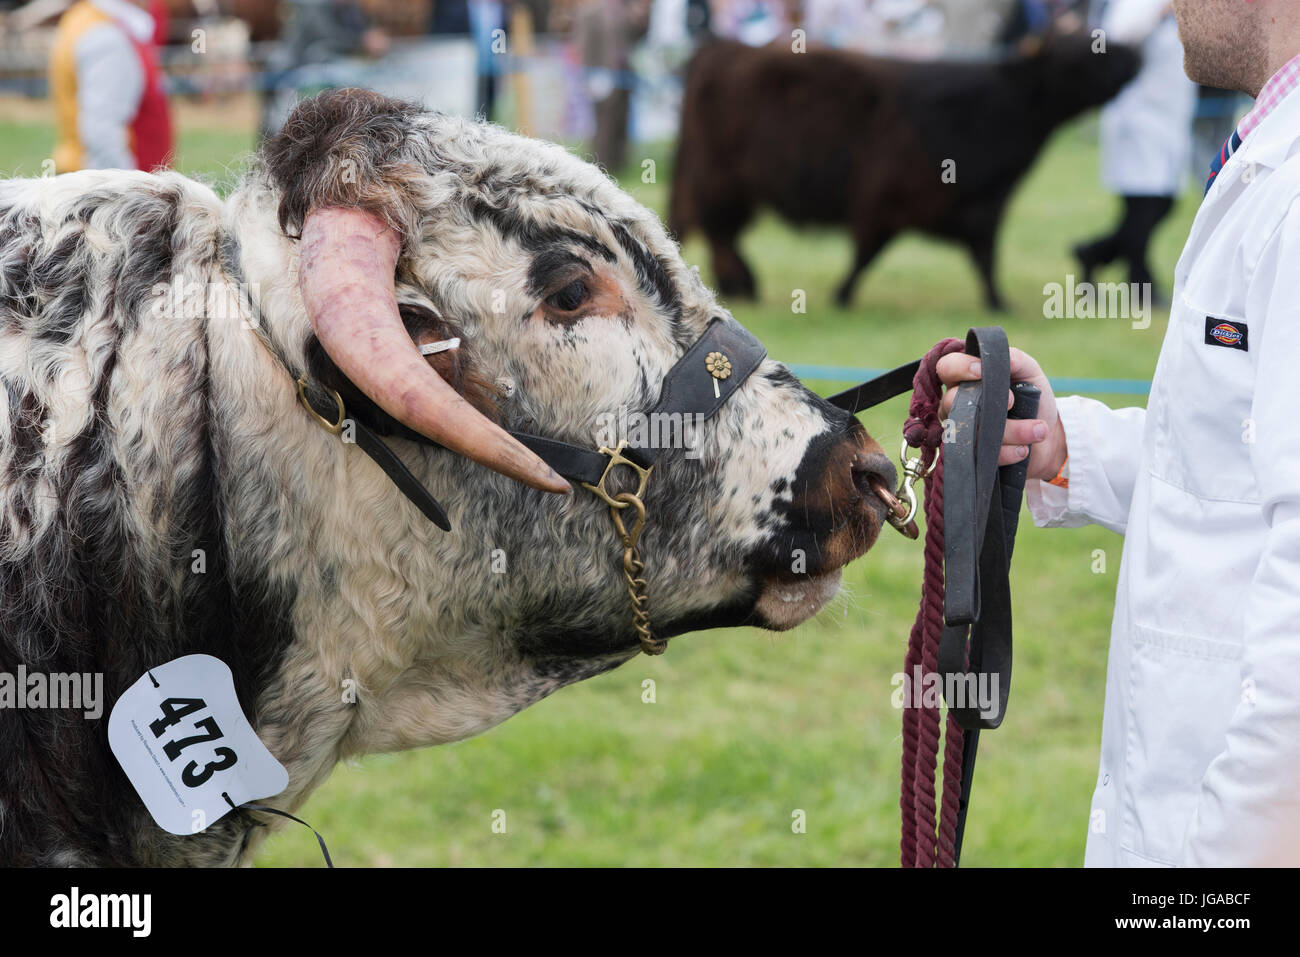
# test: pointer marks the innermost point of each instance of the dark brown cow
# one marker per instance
(880, 145)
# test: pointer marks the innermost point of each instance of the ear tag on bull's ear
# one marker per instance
(182, 739)
(719, 367)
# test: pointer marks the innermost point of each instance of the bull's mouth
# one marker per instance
(783, 603)
(778, 599)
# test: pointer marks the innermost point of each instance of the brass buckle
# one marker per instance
(334, 428)
(617, 458)
(913, 469)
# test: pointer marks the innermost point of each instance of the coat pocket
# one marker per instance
(1204, 442)
(1182, 692)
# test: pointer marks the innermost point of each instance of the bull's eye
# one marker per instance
(569, 298)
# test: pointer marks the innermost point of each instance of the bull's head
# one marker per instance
(572, 303)
(1070, 69)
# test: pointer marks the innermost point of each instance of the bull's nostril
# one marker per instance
(875, 478)
(870, 468)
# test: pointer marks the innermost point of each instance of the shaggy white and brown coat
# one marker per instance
(163, 493)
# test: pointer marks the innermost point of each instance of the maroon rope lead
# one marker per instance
(923, 843)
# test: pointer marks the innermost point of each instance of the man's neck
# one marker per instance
(1275, 89)
(1283, 47)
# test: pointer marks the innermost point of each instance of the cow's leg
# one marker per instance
(722, 226)
(868, 247)
(982, 245)
(735, 279)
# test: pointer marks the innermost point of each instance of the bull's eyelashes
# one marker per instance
(577, 290)
(570, 298)
(568, 286)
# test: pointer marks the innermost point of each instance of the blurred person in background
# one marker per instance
(1029, 18)
(755, 22)
(917, 29)
(605, 31)
(1146, 137)
(837, 23)
(485, 18)
(450, 17)
(316, 31)
(699, 19)
(477, 19)
(106, 86)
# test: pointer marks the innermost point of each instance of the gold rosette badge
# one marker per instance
(719, 367)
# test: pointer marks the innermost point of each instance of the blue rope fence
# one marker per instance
(1061, 385)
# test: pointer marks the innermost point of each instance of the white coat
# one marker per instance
(1200, 750)
(1146, 131)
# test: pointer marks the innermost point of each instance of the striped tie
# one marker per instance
(1230, 146)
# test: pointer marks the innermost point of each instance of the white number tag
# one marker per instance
(183, 740)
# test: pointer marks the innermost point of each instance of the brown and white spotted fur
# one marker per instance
(144, 425)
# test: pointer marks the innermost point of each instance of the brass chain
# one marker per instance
(634, 570)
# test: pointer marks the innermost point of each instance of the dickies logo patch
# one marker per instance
(1230, 335)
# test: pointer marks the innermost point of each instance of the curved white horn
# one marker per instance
(346, 276)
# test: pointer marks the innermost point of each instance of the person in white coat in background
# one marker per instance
(1146, 137)
(1200, 747)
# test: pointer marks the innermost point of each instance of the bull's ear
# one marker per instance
(460, 368)
(350, 148)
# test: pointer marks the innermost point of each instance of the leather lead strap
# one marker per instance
(981, 515)
(875, 391)
(981, 510)
(573, 462)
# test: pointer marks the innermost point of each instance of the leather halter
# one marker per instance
(698, 385)
(689, 388)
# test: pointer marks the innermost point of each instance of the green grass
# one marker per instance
(749, 726)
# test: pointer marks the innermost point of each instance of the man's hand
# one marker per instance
(1042, 439)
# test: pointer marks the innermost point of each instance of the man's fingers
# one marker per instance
(1020, 433)
(1011, 454)
(957, 367)
(950, 396)
(1024, 431)
(1023, 367)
